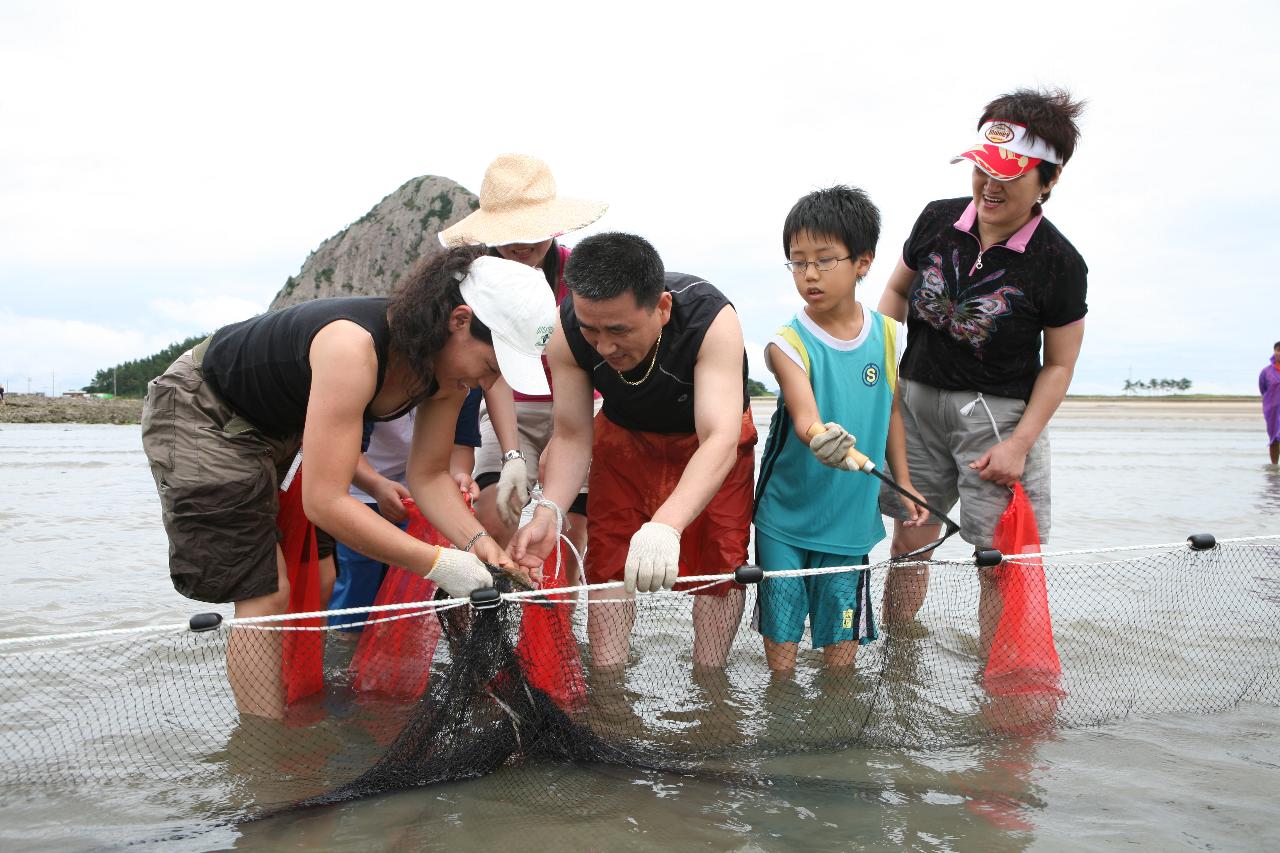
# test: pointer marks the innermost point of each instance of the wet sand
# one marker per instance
(38, 409)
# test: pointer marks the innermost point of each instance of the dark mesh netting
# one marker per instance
(139, 729)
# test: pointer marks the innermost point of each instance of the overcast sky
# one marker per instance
(165, 166)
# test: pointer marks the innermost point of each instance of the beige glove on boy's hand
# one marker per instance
(653, 560)
(459, 573)
(831, 446)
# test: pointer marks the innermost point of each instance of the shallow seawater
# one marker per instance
(83, 549)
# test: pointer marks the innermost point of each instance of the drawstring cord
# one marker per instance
(968, 407)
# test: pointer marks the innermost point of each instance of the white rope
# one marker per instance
(263, 623)
(568, 595)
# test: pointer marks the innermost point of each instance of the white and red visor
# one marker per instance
(1004, 151)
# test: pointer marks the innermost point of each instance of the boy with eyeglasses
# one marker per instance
(836, 366)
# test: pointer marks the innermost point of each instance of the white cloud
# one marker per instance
(209, 313)
(137, 152)
(46, 354)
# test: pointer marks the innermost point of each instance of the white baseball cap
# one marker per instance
(515, 302)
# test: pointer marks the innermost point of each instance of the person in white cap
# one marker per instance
(520, 218)
(982, 280)
(221, 426)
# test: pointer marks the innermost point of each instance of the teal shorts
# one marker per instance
(838, 605)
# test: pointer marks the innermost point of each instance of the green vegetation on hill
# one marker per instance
(130, 378)
(755, 388)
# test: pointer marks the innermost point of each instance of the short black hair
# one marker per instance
(605, 266)
(841, 211)
(1277, 345)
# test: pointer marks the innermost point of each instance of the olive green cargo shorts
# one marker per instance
(218, 479)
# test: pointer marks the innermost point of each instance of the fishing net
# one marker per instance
(122, 725)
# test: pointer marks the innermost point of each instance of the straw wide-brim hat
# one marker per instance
(518, 204)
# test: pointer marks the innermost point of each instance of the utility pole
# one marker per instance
(53, 383)
(114, 388)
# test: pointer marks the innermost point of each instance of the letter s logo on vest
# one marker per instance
(871, 374)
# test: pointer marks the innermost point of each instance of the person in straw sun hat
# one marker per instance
(519, 219)
(518, 205)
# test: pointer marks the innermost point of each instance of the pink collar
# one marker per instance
(1018, 242)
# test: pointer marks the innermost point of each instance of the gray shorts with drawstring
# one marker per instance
(944, 434)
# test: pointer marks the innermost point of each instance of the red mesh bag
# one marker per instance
(1023, 656)
(548, 650)
(393, 657)
(302, 652)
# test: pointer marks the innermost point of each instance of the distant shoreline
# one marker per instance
(1166, 398)
(35, 409)
(38, 409)
(1187, 406)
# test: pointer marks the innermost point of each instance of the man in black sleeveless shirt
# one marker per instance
(671, 454)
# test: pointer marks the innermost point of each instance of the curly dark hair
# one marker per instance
(1048, 114)
(418, 311)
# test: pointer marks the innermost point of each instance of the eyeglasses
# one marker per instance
(821, 264)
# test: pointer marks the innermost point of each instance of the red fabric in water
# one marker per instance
(1023, 656)
(393, 657)
(302, 652)
(547, 648)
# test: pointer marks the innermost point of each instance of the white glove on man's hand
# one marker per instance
(513, 491)
(653, 560)
(459, 573)
(831, 446)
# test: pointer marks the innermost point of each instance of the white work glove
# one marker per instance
(459, 573)
(831, 446)
(513, 491)
(653, 560)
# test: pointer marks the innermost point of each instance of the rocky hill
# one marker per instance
(369, 256)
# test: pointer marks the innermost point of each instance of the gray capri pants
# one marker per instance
(941, 442)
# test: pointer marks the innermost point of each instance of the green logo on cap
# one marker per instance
(544, 334)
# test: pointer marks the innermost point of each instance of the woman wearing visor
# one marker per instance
(982, 281)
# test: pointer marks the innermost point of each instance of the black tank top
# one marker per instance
(663, 403)
(262, 366)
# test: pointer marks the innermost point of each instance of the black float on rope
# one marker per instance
(748, 574)
(202, 622)
(485, 598)
(1201, 541)
(988, 558)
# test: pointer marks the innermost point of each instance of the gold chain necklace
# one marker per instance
(654, 361)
